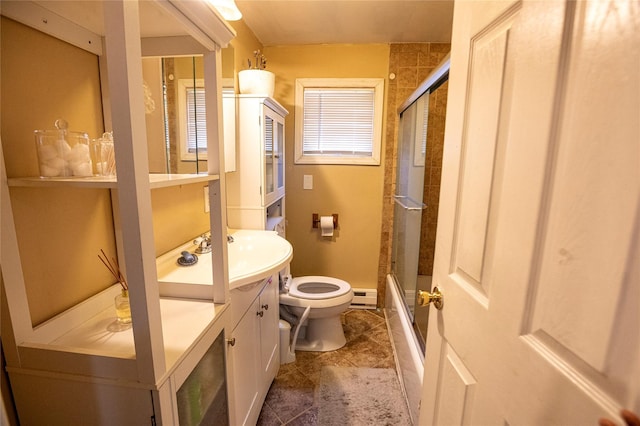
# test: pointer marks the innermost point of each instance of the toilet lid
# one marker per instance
(318, 287)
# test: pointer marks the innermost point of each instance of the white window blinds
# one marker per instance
(196, 121)
(338, 121)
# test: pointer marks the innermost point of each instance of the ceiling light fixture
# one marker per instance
(227, 9)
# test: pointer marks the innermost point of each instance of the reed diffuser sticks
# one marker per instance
(114, 269)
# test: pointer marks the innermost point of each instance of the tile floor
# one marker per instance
(291, 401)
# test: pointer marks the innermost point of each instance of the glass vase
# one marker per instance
(123, 310)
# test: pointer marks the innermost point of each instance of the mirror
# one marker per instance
(175, 118)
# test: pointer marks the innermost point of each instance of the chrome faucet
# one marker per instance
(203, 242)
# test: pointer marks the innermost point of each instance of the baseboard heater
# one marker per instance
(364, 298)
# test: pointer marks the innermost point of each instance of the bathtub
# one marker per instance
(408, 355)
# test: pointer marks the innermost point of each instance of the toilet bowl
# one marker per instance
(327, 298)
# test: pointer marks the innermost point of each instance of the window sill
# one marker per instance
(348, 161)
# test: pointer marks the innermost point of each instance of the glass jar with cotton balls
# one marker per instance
(63, 153)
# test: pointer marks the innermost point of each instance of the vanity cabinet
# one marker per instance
(79, 366)
(256, 190)
(255, 347)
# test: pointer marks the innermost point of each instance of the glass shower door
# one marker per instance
(408, 199)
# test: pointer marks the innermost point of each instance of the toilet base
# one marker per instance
(322, 335)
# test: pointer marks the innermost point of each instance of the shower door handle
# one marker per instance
(424, 298)
(405, 202)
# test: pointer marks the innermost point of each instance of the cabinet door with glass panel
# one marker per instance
(259, 180)
(273, 133)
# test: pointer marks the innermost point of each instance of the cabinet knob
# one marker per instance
(260, 313)
(265, 306)
(232, 341)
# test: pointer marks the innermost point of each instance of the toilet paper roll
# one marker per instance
(326, 226)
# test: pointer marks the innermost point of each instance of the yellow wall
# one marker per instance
(61, 230)
(354, 192)
(244, 44)
(44, 79)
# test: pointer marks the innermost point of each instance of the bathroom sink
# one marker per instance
(253, 255)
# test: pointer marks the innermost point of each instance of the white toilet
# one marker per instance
(327, 298)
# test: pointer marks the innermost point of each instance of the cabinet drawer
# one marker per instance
(243, 297)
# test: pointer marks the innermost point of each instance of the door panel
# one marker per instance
(458, 387)
(479, 155)
(539, 217)
(589, 208)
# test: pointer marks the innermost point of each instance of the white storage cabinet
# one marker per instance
(257, 189)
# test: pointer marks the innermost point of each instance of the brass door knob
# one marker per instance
(232, 341)
(424, 298)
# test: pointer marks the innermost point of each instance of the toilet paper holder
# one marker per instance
(316, 220)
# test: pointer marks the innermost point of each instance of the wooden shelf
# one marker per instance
(155, 181)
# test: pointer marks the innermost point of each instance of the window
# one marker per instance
(338, 121)
(193, 123)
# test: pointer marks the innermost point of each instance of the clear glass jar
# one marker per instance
(123, 309)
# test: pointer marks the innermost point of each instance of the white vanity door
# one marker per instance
(270, 332)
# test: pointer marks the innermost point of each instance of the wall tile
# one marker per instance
(407, 77)
(412, 63)
(408, 59)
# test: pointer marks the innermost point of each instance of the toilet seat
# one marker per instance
(318, 287)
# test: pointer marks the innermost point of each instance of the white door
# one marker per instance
(537, 251)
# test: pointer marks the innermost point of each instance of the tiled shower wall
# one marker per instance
(411, 63)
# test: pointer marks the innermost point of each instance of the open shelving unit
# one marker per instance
(75, 365)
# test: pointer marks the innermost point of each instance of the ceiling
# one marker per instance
(288, 22)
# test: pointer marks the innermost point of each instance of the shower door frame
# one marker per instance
(431, 83)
